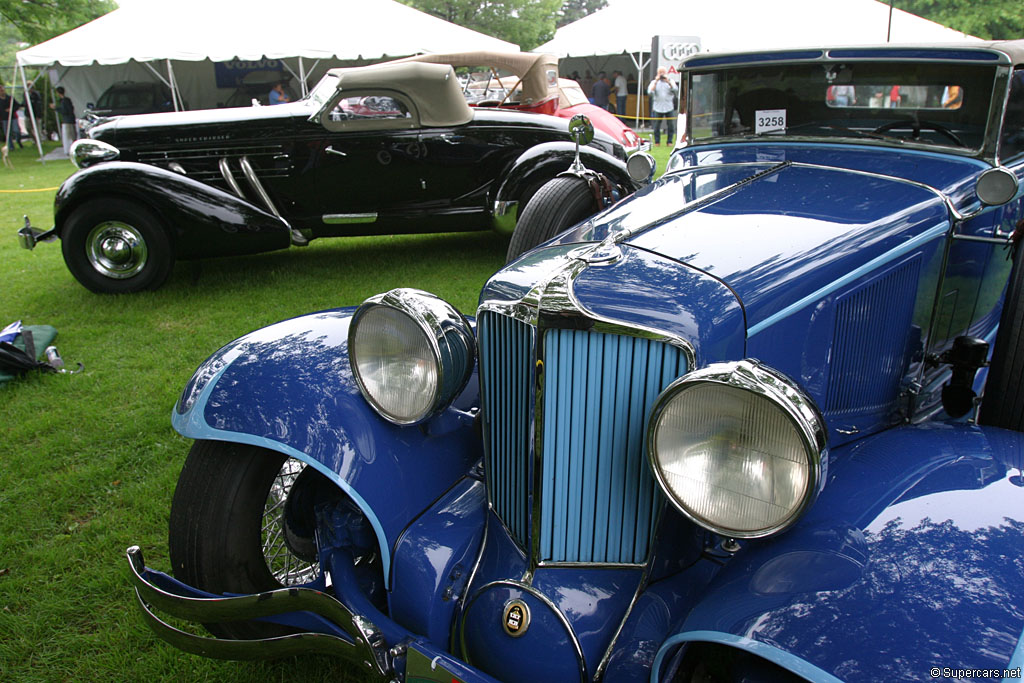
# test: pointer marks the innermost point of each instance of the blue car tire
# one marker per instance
(219, 538)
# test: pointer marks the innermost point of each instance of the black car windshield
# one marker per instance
(939, 104)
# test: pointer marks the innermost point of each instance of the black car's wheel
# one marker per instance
(234, 525)
(558, 205)
(116, 246)
(1003, 404)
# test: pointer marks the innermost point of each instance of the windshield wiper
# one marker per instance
(845, 131)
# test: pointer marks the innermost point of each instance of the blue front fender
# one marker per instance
(913, 558)
(288, 387)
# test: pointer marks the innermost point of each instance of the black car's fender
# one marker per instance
(541, 163)
(204, 220)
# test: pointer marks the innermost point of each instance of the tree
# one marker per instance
(527, 23)
(39, 20)
(993, 19)
(573, 10)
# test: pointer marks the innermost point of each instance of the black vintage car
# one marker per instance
(372, 150)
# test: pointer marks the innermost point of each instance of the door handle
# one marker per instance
(331, 150)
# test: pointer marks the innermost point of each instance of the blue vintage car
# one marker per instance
(759, 421)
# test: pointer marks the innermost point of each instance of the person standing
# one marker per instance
(66, 115)
(601, 91)
(35, 111)
(621, 92)
(662, 92)
(9, 118)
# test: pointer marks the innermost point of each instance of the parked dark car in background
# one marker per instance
(124, 99)
(759, 421)
(384, 149)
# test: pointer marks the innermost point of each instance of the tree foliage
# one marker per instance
(992, 19)
(527, 23)
(577, 9)
(39, 20)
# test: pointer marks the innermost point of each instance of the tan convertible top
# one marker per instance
(538, 72)
(433, 88)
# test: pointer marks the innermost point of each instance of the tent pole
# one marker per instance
(175, 95)
(302, 77)
(31, 114)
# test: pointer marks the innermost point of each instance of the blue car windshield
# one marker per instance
(938, 104)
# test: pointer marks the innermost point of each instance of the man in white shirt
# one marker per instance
(662, 92)
(621, 92)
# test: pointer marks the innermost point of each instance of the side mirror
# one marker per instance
(581, 129)
(996, 186)
(90, 105)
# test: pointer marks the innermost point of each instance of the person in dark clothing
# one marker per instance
(35, 111)
(66, 114)
(9, 118)
(602, 89)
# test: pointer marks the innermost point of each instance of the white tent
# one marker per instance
(627, 26)
(179, 43)
(620, 35)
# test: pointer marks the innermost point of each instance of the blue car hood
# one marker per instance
(775, 233)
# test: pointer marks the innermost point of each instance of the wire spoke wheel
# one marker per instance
(282, 560)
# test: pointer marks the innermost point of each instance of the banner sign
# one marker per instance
(230, 74)
(670, 51)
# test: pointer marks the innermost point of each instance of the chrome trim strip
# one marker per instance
(250, 175)
(547, 602)
(229, 177)
(602, 665)
(257, 186)
(349, 218)
(905, 248)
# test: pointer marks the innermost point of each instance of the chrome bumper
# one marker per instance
(364, 644)
(29, 237)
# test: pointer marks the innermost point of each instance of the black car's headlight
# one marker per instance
(738, 448)
(86, 152)
(411, 353)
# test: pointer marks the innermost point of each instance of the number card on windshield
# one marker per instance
(770, 120)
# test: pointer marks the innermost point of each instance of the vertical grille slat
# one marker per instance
(871, 329)
(598, 501)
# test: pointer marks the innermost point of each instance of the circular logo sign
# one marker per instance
(516, 618)
(678, 51)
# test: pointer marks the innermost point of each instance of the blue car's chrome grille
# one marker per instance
(597, 498)
(506, 360)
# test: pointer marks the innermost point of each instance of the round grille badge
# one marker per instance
(516, 618)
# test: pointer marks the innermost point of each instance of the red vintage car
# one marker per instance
(527, 81)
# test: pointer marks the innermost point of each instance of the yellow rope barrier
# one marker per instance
(41, 189)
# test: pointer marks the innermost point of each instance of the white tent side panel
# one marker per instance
(194, 34)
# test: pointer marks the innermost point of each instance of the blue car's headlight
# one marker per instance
(411, 354)
(738, 448)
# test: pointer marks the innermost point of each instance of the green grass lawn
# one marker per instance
(89, 461)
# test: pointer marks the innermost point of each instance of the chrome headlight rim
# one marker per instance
(442, 327)
(86, 152)
(753, 376)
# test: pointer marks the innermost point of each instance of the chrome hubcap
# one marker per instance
(116, 250)
(282, 562)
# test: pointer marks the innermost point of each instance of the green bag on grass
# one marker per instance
(15, 359)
